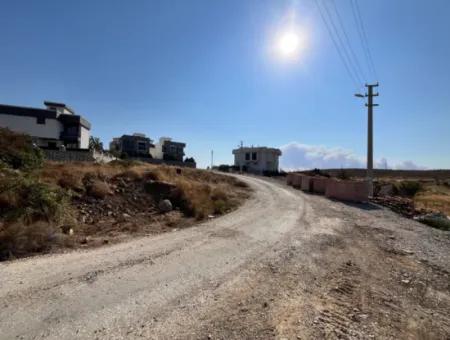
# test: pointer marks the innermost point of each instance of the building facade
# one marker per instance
(53, 127)
(135, 145)
(168, 150)
(257, 159)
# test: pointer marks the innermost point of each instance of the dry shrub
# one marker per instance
(17, 151)
(17, 240)
(200, 200)
(72, 181)
(29, 200)
(151, 175)
(98, 189)
(132, 174)
(407, 188)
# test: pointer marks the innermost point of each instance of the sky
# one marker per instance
(205, 73)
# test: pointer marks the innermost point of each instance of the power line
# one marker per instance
(338, 48)
(347, 40)
(343, 46)
(363, 36)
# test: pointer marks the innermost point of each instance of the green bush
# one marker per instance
(17, 151)
(407, 188)
(24, 198)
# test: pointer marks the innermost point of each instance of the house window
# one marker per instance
(141, 146)
(40, 120)
(253, 156)
(247, 156)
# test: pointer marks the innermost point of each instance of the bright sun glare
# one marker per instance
(289, 44)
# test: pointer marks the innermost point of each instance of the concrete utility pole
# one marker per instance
(212, 159)
(370, 94)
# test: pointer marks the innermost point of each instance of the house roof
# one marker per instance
(55, 104)
(171, 142)
(256, 149)
(27, 111)
(43, 113)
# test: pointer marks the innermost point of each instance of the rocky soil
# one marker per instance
(287, 265)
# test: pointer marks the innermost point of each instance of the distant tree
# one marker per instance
(190, 160)
(95, 144)
(224, 168)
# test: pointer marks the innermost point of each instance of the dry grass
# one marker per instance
(98, 189)
(434, 197)
(35, 206)
(200, 193)
(20, 239)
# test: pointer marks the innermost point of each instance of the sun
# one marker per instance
(289, 44)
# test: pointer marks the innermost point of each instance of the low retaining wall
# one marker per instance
(348, 190)
(306, 183)
(319, 185)
(289, 178)
(68, 155)
(161, 161)
(297, 181)
(353, 191)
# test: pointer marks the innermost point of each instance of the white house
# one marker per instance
(52, 127)
(256, 159)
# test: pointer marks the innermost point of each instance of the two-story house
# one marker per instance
(257, 159)
(168, 150)
(135, 145)
(53, 127)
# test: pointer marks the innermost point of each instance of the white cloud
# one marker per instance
(408, 165)
(297, 156)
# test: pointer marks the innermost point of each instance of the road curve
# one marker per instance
(110, 292)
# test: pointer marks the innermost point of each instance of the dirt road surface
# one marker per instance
(285, 265)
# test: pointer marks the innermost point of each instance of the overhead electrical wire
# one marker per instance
(345, 48)
(363, 36)
(347, 40)
(336, 41)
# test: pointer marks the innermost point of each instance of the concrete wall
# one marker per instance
(319, 185)
(297, 181)
(290, 178)
(401, 174)
(354, 191)
(69, 155)
(84, 137)
(102, 157)
(51, 129)
(161, 161)
(306, 183)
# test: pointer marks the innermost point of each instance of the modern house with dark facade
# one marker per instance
(135, 145)
(53, 127)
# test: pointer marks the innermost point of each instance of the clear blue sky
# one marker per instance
(200, 72)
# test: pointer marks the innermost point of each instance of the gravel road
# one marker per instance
(284, 265)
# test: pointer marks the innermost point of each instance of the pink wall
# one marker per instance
(319, 185)
(355, 191)
(306, 183)
(297, 181)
